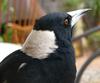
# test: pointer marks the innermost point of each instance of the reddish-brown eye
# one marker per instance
(66, 22)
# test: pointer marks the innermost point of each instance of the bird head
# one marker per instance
(60, 23)
(50, 32)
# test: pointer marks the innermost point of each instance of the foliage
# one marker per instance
(2, 31)
(72, 4)
(96, 9)
(2, 28)
(4, 9)
(95, 13)
(96, 36)
(94, 40)
(1, 39)
(4, 5)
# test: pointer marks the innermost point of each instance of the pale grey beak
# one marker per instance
(76, 15)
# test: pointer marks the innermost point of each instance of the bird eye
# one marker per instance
(66, 22)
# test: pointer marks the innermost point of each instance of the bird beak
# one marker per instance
(76, 15)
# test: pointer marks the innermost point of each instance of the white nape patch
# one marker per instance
(40, 44)
(22, 65)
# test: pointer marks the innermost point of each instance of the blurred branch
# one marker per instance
(87, 33)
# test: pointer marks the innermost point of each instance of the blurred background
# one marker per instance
(17, 18)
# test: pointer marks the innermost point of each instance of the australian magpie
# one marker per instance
(47, 56)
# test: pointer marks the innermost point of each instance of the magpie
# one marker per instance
(47, 56)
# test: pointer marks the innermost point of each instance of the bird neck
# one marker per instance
(64, 45)
(40, 44)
